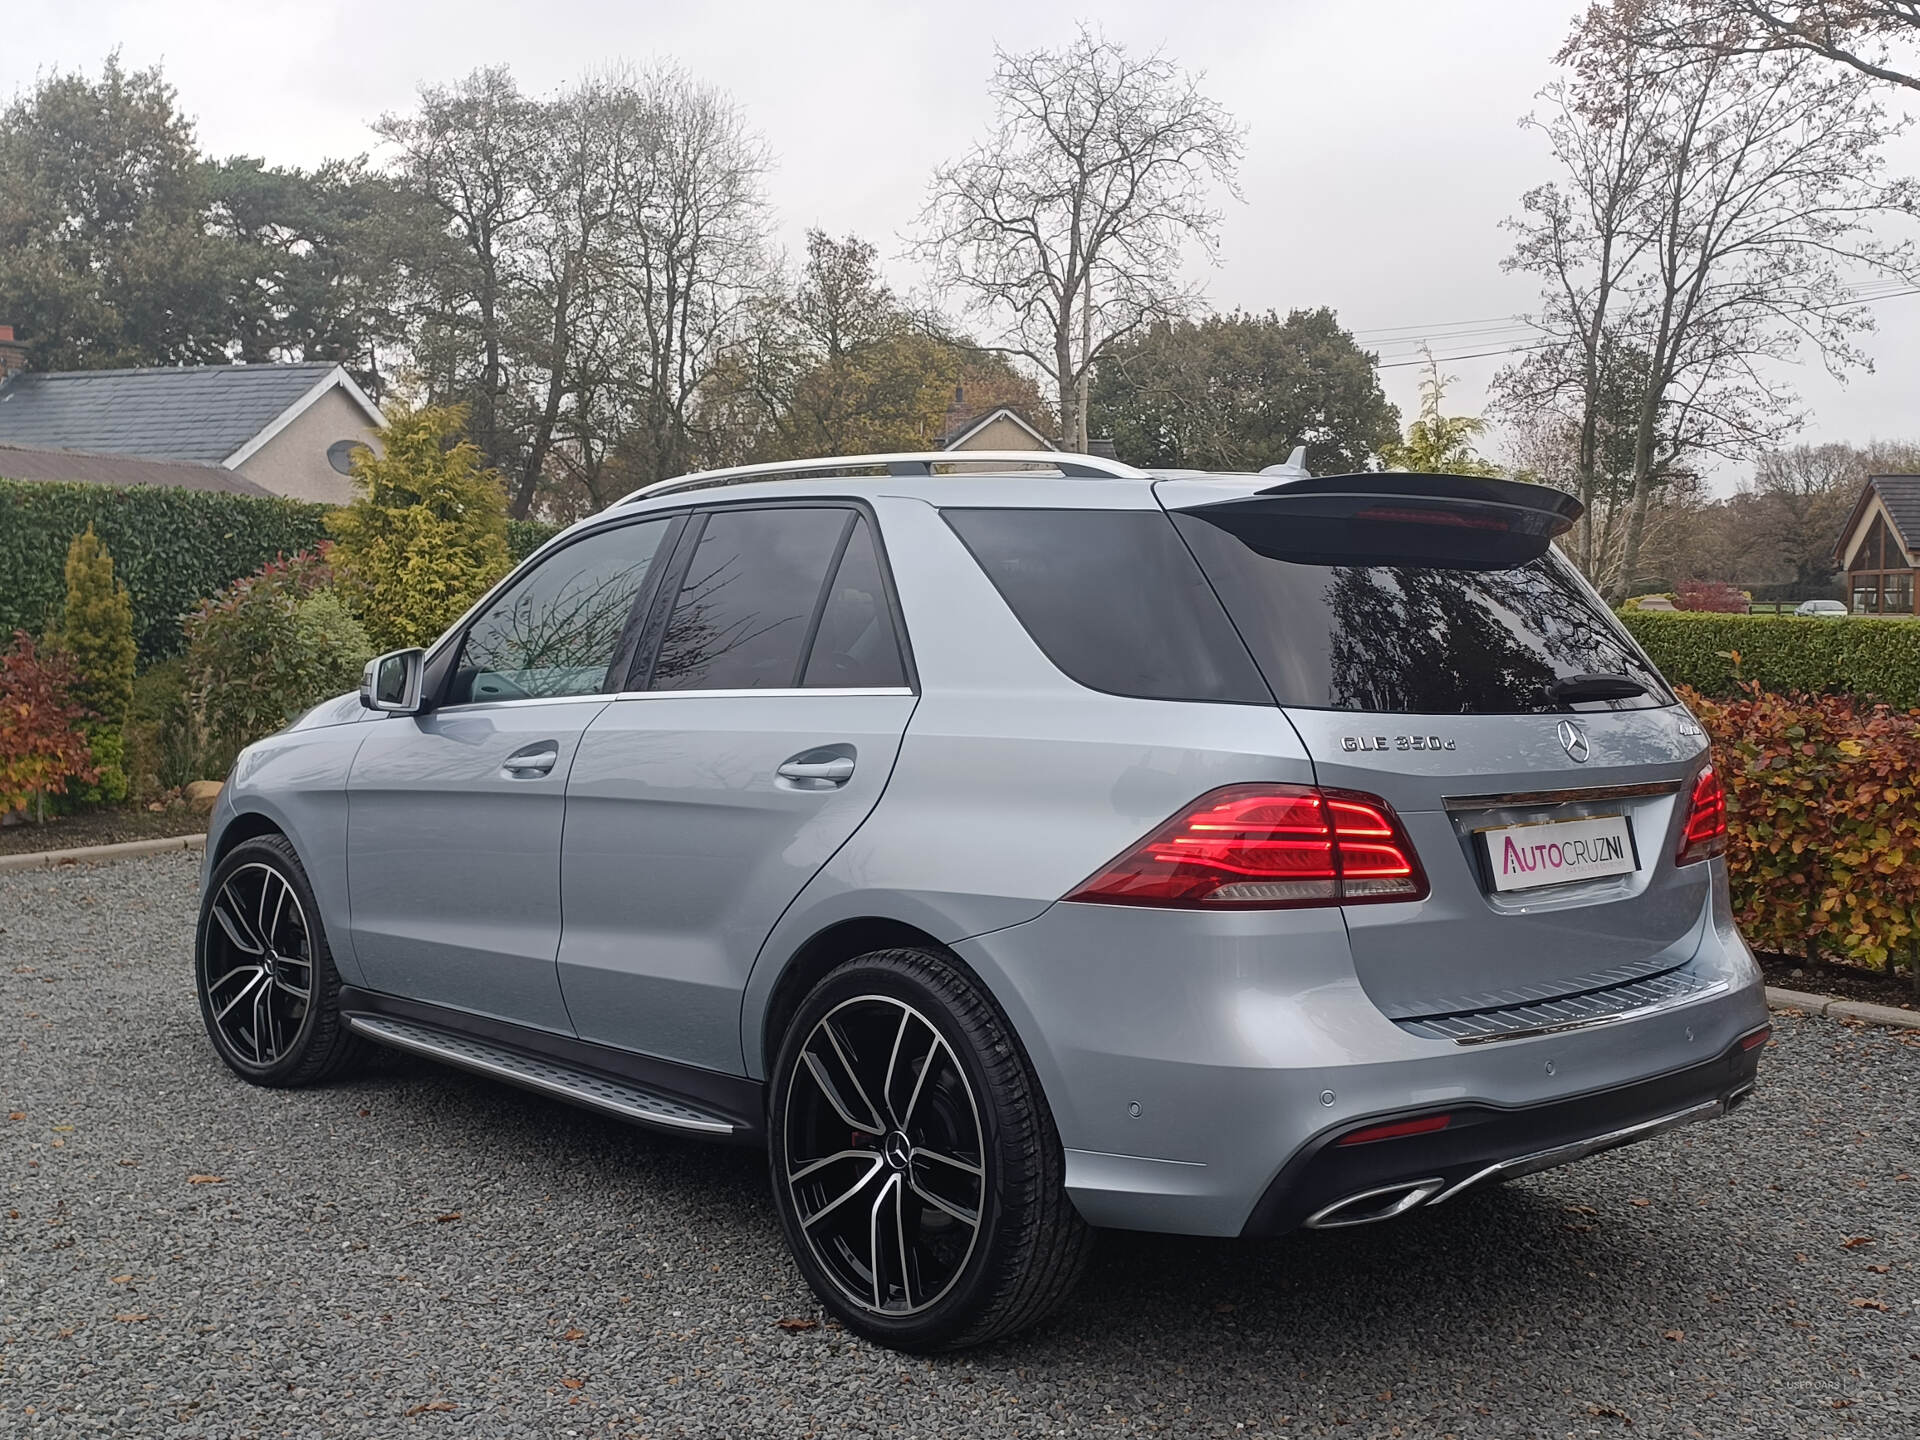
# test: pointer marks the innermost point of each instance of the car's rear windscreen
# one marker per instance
(1420, 639)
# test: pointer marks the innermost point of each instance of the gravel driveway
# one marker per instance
(419, 1252)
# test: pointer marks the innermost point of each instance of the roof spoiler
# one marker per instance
(1468, 522)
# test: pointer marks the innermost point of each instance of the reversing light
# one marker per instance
(1267, 847)
(1705, 834)
(1395, 1129)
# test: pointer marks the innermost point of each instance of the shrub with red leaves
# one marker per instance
(1715, 595)
(41, 746)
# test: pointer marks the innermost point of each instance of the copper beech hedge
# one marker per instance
(1823, 814)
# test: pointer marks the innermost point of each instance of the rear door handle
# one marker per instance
(817, 774)
(532, 762)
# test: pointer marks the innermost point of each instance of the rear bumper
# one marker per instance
(1198, 1066)
(1484, 1144)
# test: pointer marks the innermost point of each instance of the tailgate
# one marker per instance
(1433, 650)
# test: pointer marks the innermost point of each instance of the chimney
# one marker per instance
(13, 355)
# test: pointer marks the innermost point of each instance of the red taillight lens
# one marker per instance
(1267, 847)
(1395, 1129)
(1706, 833)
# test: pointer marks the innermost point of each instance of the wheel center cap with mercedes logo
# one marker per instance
(1573, 739)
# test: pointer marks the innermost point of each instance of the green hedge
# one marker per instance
(526, 536)
(173, 548)
(1872, 659)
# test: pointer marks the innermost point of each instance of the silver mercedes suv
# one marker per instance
(1015, 845)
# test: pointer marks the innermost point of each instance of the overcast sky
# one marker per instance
(1382, 148)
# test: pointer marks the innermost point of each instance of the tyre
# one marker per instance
(915, 1163)
(268, 991)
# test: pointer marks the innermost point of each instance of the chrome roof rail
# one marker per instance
(920, 462)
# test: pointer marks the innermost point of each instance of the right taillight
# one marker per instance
(1266, 847)
(1705, 834)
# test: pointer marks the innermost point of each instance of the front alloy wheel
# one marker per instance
(268, 989)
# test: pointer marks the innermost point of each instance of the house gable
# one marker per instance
(1002, 428)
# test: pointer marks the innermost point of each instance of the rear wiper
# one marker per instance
(1596, 686)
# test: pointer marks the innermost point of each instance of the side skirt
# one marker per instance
(659, 1094)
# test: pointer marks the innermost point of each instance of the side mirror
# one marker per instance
(393, 682)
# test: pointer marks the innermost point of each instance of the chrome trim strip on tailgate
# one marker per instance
(1426, 1027)
(1559, 797)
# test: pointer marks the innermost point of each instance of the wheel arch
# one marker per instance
(822, 952)
(246, 825)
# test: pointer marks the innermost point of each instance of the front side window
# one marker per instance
(556, 631)
(749, 598)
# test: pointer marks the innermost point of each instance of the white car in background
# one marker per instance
(1829, 608)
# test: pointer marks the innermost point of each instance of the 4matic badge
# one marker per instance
(1395, 742)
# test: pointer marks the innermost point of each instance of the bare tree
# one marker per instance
(1869, 36)
(1067, 226)
(1577, 235)
(1766, 181)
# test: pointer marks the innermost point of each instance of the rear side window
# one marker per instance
(1114, 600)
(1418, 639)
(855, 645)
(749, 598)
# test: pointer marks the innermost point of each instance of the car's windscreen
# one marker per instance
(1426, 639)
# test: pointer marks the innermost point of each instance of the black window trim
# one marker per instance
(444, 663)
(652, 633)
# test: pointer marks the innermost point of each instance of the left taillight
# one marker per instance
(1266, 847)
(1705, 834)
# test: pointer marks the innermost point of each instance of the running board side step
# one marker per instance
(611, 1096)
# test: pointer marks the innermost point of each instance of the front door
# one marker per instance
(701, 804)
(454, 815)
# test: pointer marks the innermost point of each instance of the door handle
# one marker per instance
(531, 762)
(818, 773)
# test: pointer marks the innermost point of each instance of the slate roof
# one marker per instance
(201, 413)
(20, 463)
(1900, 494)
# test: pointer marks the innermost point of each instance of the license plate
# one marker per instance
(1559, 852)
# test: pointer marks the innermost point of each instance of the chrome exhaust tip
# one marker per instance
(1371, 1205)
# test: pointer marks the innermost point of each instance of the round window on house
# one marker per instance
(340, 454)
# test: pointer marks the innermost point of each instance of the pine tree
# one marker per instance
(427, 533)
(96, 638)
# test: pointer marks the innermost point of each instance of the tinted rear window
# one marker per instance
(1419, 640)
(1114, 600)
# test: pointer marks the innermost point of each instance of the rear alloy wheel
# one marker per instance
(915, 1163)
(265, 976)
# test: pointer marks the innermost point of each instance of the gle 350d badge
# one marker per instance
(1395, 742)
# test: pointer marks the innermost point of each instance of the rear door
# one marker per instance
(761, 727)
(1465, 673)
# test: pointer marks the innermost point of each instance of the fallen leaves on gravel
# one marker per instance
(132, 1319)
(206, 1179)
(1676, 1334)
(447, 1218)
(119, 1279)
(1611, 1411)
(798, 1322)
(1861, 1302)
(432, 1405)
(571, 1383)
(574, 1334)
(1641, 1201)
(1854, 1242)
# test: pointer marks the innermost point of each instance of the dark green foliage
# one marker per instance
(1239, 391)
(164, 742)
(526, 536)
(1870, 659)
(171, 548)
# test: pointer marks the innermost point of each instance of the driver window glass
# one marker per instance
(748, 599)
(555, 632)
